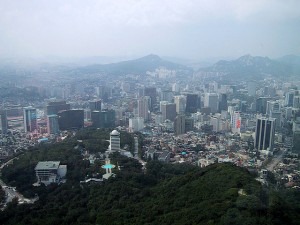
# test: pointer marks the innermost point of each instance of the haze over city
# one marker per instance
(189, 29)
(149, 112)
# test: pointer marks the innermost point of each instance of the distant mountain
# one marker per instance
(253, 67)
(137, 66)
(293, 61)
(290, 59)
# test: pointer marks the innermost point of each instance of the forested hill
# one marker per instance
(163, 194)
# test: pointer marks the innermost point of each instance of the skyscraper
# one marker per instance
(192, 103)
(136, 124)
(3, 122)
(296, 135)
(272, 106)
(179, 124)
(236, 122)
(180, 102)
(143, 107)
(264, 133)
(104, 119)
(188, 124)
(175, 87)
(151, 92)
(223, 102)
(30, 119)
(211, 100)
(296, 102)
(261, 104)
(56, 106)
(71, 119)
(166, 96)
(52, 124)
(289, 98)
(274, 111)
(95, 105)
(168, 111)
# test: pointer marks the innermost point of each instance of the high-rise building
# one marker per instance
(104, 119)
(288, 112)
(277, 115)
(175, 87)
(296, 142)
(192, 103)
(30, 119)
(114, 141)
(168, 111)
(56, 106)
(264, 133)
(136, 124)
(296, 102)
(296, 125)
(71, 119)
(151, 92)
(211, 100)
(143, 107)
(274, 111)
(215, 123)
(52, 124)
(236, 122)
(189, 124)
(3, 122)
(179, 124)
(289, 98)
(95, 105)
(180, 102)
(223, 102)
(261, 104)
(167, 96)
(296, 135)
(103, 92)
(162, 103)
(272, 106)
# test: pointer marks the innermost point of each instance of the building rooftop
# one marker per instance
(46, 165)
(114, 132)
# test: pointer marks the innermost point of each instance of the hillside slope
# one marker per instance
(163, 194)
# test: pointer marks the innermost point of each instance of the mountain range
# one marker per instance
(245, 67)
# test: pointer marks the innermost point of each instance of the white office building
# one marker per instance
(180, 102)
(236, 122)
(114, 141)
(136, 124)
(48, 172)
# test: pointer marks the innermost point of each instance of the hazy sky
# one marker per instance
(195, 29)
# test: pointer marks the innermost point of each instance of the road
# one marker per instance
(11, 192)
(275, 160)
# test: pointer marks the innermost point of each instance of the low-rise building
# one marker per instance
(48, 172)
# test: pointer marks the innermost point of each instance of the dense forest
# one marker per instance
(160, 194)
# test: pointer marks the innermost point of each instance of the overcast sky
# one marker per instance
(194, 29)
